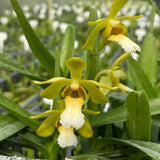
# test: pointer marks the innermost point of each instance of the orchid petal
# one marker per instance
(92, 37)
(76, 66)
(86, 129)
(90, 23)
(90, 112)
(50, 80)
(116, 7)
(127, 44)
(54, 89)
(48, 126)
(122, 58)
(42, 114)
(129, 17)
(124, 88)
(95, 94)
(94, 83)
(105, 81)
(118, 74)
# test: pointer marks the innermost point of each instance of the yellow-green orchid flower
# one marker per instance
(113, 76)
(74, 93)
(66, 135)
(114, 30)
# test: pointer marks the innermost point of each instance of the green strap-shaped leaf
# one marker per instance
(140, 79)
(9, 126)
(18, 112)
(67, 48)
(38, 49)
(148, 58)
(9, 63)
(115, 115)
(138, 117)
(149, 148)
(119, 114)
(35, 141)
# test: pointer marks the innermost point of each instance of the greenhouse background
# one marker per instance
(124, 128)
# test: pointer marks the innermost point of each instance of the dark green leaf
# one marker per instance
(67, 48)
(38, 49)
(119, 114)
(140, 79)
(9, 126)
(138, 117)
(148, 58)
(149, 148)
(9, 63)
(35, 141)
(19, 112)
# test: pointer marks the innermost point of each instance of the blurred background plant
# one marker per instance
(68, 21)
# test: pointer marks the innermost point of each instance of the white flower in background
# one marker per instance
(143, 9)
(135, 56)
(79, 10)
(79, 19)
(55, 25)
(3, 37)
(4, 20)
(7, 12)
(67, 8)
(43, 8)
(126, 23)
(156, 20)
(25, 8)
(63, 27)
(59, 11)
(13, 14)
(27, 15)
(66, 137)
(76, 44)
(56, 5)
(140, 33)
(86, 14)
(142, 22)
(107, 105)
(36, 8)
(33, 23)
(133, 11)
(49, 102)
(25, 43)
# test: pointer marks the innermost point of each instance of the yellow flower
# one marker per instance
(114, 30)
(74, 93)
(113, 76)
(66, 135)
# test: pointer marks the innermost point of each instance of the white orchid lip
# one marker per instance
(72, 115)
(66, 137)
(128, 45)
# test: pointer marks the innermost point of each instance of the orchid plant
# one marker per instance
(78, 125)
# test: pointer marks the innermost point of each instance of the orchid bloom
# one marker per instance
(74, 93)
(112, 77)
(66, 136)
(114, 30)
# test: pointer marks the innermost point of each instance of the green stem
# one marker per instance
(152, 15)
(92, 58)
(151, 2)
(100, 73)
